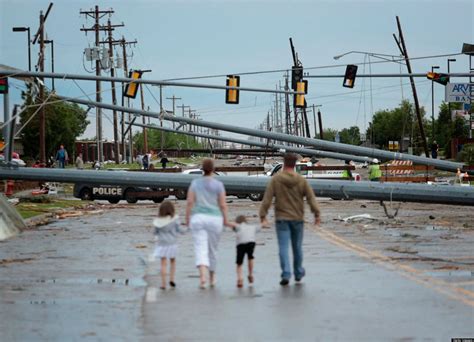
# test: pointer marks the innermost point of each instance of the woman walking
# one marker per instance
(206, 214)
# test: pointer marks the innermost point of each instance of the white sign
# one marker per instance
(459, 113)
(458, 92)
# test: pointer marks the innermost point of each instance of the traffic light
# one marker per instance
(299, 100)
(4, 85)
(232, 95)
(296, 76)
(350, 76)
(131, 89)
(438, 78)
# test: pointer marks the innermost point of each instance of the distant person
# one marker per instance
(347, 173)
(374, 171)
(164, 161)
(289, 190)
(245, 240)
(79, 162)
(434, 150)
(62, 157)
(206, 214)
(145, 161)
(166, 231)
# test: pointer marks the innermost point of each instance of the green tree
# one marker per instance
(64, 122)
(350, 135)
(446, 128)
(394, 124)
(172, 140)
(329, 134)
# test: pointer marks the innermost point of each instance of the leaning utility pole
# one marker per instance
(42, 118)
(97, 15)
(404, 52)
(110, 42)
(142, 100)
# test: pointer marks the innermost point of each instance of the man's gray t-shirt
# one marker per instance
(207, 191)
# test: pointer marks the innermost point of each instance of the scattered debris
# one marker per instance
(11, 261)
(432, 217)
(141, 246)
(398, 249)
(357, 218)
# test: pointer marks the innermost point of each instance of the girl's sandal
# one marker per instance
(250, 279)
(162, 288)
(240, 283)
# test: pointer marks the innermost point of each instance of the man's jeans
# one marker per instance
(286, 231)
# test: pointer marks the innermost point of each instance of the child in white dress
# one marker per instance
(166, 230)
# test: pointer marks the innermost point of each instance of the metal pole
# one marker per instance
(321, 132)
(98, 91)
(29, 49)
(432, 106)
(321, 144)
(4, 72)
(272, 146)
(42, 118)
(424, 193)
(6, 128)
(404, 51)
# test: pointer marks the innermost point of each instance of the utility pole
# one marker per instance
(97, 15)
(42, 125)
(404, 52)
(287, 107)
(173, 98)
(142, 100)
(321, 132)
(42, 118)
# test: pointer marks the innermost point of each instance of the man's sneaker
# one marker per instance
(284, 282)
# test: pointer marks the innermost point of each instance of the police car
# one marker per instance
(115, 194)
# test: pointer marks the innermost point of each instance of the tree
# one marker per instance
(64, 123)
(394, 124)
(329, 134)
(446, 128)
(172, 140)
(350, 135)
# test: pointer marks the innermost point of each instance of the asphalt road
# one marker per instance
(90, 278)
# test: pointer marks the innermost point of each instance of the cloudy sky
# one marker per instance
(179, 39)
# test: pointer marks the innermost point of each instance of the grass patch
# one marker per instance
(28, 209)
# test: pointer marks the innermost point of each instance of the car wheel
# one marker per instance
(181, 194)
(158, 199)
(256, 197)
(114, 201)
(130, 197)
(86, 194)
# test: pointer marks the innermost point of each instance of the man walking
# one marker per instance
(289, 190)
(62, 157)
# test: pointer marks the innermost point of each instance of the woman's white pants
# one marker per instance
(206, 230)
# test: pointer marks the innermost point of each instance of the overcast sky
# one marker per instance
(193, 38)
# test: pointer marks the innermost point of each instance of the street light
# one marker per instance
(432, 104)
(23, 29)
(372, 54)
(50, 41)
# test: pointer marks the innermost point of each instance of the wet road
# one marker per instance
(90, 278)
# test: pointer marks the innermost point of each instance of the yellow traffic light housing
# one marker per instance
(301, 87)
(438, 78)
(232, 95)
(131, 89)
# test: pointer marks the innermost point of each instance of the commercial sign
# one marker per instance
(459, 92)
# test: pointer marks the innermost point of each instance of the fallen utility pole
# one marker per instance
(8, 73)
(270, 146)
(320, 144)
(404, 75)
(423, 193)
(404, 51)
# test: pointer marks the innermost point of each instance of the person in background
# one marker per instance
(164, 161)
(374, 171)
(79, 162)
(62, 157)
(347, 174)
(289, 189)
(434, 150)
(145, 161)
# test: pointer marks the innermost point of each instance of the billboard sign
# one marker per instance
(459, 92)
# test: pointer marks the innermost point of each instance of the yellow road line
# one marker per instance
(408, 272)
